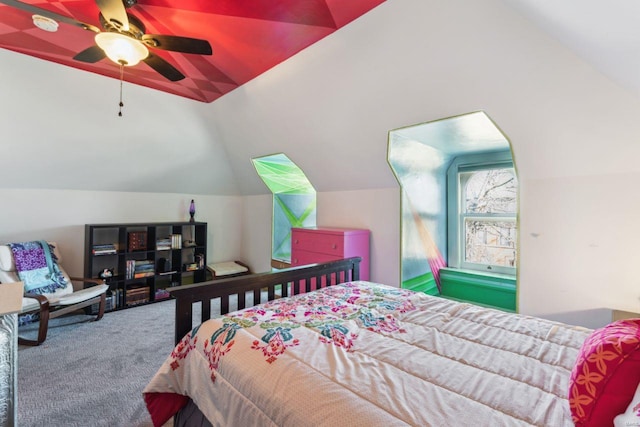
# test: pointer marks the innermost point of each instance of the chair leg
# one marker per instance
(43, 327)
(44, 321)
(101, 307)
(24, 341)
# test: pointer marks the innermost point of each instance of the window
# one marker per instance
(294, 200)
(483, 206)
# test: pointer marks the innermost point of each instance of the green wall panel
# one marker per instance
(491, 290)
(424, 283)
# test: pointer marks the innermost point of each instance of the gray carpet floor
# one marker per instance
(92, 373)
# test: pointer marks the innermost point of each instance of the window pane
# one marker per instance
(490, 242)
(490, 191)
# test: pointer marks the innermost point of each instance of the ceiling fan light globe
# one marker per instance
(121, 49)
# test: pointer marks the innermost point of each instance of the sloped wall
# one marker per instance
(61, 130)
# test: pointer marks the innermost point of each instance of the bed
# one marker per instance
(355, 353)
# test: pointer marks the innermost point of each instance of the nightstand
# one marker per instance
(621, 315)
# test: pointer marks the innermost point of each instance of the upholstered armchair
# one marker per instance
(52, 301)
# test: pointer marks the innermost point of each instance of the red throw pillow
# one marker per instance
(606, 374)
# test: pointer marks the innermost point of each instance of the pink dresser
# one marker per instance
(321, 244)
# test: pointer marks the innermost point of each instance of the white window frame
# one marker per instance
(456, 217)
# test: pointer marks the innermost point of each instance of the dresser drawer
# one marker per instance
(304, 258)
(321, 243)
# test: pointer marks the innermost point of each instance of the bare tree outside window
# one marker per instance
(489, 214)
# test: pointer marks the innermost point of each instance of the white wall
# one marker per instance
(580, 244)
(377, 210)
(256, 243)
(60, 215)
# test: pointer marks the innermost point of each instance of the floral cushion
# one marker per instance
(606, 374)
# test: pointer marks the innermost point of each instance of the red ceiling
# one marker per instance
(248, 37)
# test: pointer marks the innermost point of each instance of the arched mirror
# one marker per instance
(459, 209)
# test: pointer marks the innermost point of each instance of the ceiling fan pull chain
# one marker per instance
(121, 79)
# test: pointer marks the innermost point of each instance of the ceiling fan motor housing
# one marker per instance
(136, 27)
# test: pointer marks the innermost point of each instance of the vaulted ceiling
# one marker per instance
(247, 37)
(330, 106)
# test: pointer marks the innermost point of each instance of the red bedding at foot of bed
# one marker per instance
(163, 406)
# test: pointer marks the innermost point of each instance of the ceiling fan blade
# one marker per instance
(115, 13)
(178, 44)
(91, 55)
(48, 14)
(163, 67)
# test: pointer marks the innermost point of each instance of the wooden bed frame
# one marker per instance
(290, 281)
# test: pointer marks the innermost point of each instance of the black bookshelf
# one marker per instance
(140, 261)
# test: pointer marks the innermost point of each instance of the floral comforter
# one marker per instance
(365, 354)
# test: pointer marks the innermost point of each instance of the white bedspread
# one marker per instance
(363, 354)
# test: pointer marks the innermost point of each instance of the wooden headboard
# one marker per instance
(290, 281)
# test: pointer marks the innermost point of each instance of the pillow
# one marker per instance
(606, 374)
(631, 417)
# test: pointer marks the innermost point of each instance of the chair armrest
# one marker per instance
(87, 281)
(42, 300)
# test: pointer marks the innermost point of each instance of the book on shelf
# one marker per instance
(142, 264)
(176, 241)
(136, 269)
(137, 295)
(130, 266)
(192, 266)
(137, 240)
(104, 249)
(167, 273)
(114, 299)
(164, 244)
(141, 274)
(143, 267)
